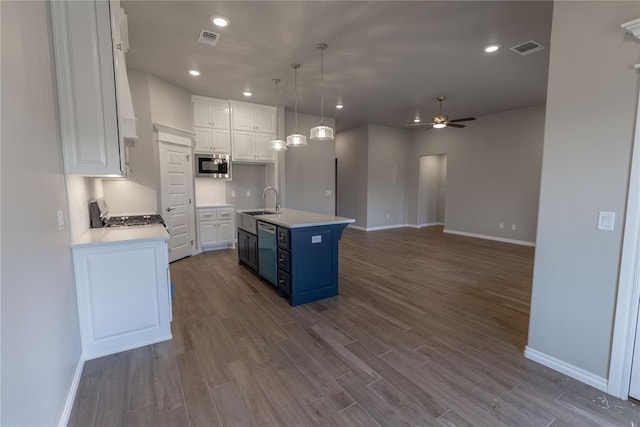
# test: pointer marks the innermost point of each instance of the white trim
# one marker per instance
(174, 135)
(356, 227)
(497, 239)
(71, 394)
(429, 224)
(566, 368)
(388, 227)
(627, 305)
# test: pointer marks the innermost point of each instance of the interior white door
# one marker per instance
(177, 207)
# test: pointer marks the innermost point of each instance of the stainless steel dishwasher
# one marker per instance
(267, 252)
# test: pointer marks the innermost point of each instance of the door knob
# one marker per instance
(170, 209)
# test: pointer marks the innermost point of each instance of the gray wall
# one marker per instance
(352, 155)
(310, 170)
(591, 106)
(431, 189)
(170, 104)
(386, 188)
(40, 332)
(493, 172)
(252, 178)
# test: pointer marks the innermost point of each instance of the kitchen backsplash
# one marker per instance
(80, 190)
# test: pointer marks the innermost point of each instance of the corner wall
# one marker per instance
(40, 336)
(590, 119)
(352, 155)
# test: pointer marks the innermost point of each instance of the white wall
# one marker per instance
(493, 172)
(590, 118)
(248, 178)
(80, 190)
(310, 170)
(352, 155)
(40, 338)
(386, 187)
(431, 189)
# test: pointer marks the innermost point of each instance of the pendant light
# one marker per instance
(322, 132)
(277, 144)
(296, 139)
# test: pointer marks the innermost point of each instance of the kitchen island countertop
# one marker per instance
(114, 235)
(293, 218)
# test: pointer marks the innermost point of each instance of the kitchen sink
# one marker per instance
(262, 212)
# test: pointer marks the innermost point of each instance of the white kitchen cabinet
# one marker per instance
(92, 86)
(211, 124)
(215, 227)
(124, 295)
(253, 128)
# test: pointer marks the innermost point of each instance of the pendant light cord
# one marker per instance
(322, 48)
(295, 92)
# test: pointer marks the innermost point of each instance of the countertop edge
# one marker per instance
(87, 240)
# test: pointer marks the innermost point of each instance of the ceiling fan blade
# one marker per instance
(466, 119)
(415, 125)
(454, 125)
(428, 128)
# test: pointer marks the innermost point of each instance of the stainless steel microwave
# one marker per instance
(212, 166)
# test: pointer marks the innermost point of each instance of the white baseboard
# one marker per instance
(356, 227)
(71, 394)
(566, 368)
(429, 224)
(497, 239)
(388, 227)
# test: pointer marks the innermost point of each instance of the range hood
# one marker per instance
(127, 118)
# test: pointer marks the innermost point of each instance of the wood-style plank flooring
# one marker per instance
(429, 329)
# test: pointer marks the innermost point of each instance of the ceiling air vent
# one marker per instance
(527, 48)
(208, 37)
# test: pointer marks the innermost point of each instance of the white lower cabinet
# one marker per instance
(215, 227)
(124, 295)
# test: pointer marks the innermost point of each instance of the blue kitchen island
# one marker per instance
(306, 261)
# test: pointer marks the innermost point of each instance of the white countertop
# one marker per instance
(214, 205)
(111, 235)
(293, 218)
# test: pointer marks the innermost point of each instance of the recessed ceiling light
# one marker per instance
(220, 21)
(416, 120)
(491, 48)
(339, 106)
(194, 73)
(247, 93)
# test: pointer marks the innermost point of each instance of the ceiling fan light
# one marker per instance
(440, 125)
(278, 145)
(321, 133)
(296, 140)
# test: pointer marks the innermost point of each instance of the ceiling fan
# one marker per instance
(441, 120)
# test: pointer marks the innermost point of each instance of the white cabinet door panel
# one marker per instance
(265, 120)
(220, 140)
(225, 232)
(263, 147)
(243, 118)
(208, 233)
(220, 115)
(203, 140)
(201, 114)
(243, 145)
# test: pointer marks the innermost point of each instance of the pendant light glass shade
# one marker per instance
(277, 144)
(322, 132)
(296, 139)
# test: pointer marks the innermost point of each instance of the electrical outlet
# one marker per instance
(233, 193)
(327, 193)
(388, 216)
(248, 193)
(513, 227)
(501, 225)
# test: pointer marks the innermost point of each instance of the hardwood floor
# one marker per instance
(429, 329)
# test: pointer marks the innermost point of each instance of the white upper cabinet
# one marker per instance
(211, 124)
(253, 128)
(92, 83)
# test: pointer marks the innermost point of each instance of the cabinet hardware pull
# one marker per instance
(170, 209)
(119, 46)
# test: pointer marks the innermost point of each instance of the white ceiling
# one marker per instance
(386, 61)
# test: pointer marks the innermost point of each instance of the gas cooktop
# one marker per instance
(133, 220)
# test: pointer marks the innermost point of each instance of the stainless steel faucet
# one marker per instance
(264, 196)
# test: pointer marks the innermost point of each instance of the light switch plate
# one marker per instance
(606, 221)
(327, 193)
(60, 218)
